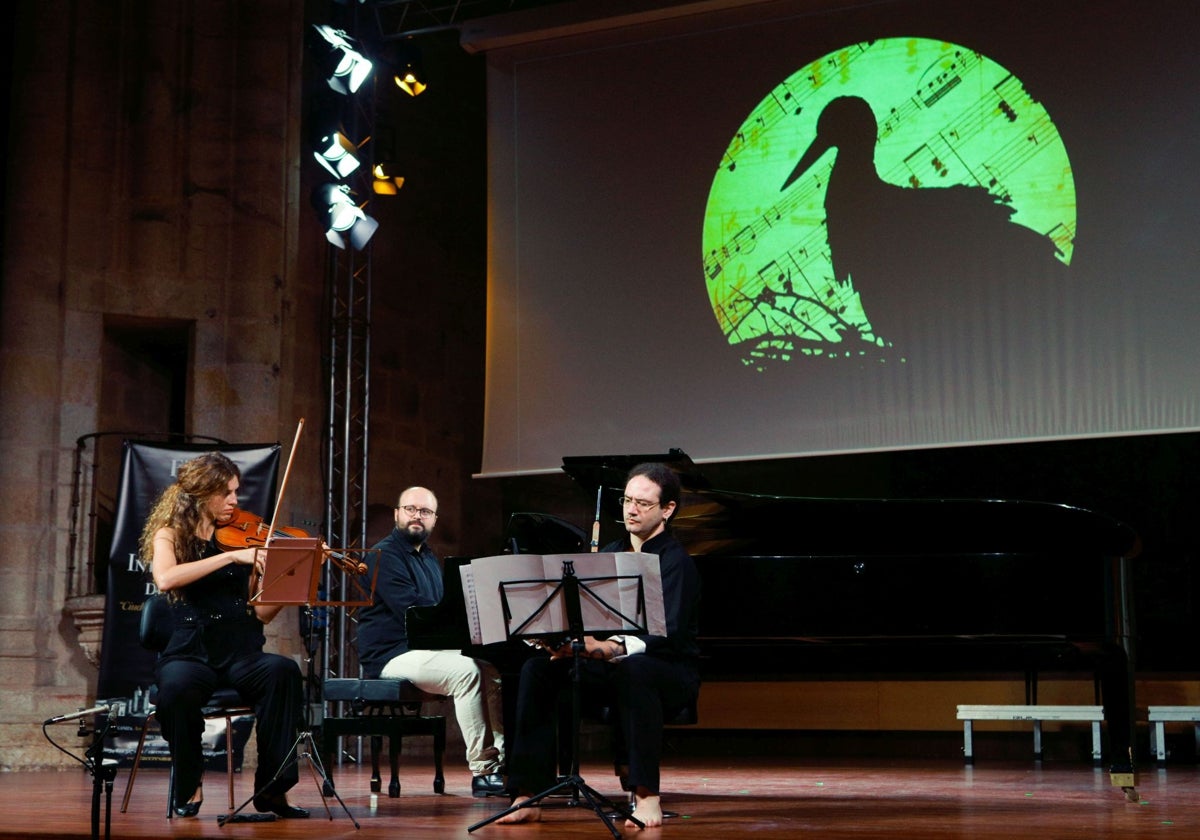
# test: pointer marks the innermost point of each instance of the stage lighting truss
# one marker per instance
(342, 217)
(337, 154)
(347, 67)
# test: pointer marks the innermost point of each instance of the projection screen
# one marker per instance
(785, 229)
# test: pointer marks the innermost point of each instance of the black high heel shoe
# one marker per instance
(190, 809)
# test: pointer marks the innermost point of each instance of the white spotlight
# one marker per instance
(347, 68)
(342, 217)
(337, 154)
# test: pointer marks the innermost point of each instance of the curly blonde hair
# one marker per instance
(181, 505)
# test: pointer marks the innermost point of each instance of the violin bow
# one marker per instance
(287, 471)
(345, 563)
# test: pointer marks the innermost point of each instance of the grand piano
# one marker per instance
(825, 586)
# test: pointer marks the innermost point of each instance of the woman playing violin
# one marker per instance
(218, 636)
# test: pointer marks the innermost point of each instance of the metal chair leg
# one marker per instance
(229, 757)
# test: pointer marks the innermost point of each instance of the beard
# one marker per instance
(415, 533)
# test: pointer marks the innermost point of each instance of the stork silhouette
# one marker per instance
(923, 260)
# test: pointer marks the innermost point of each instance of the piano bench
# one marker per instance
(1159, 715)
(1037, 714)
(378, 708)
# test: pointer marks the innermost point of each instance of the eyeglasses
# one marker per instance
(641, 504)
(423, 513)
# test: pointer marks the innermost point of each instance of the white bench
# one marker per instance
(1037, 714)
(1158, 715)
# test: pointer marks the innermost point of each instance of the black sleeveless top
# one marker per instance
(214, 621)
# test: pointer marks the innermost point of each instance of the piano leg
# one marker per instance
(1117, 687)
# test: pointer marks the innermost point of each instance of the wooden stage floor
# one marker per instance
(768, 798)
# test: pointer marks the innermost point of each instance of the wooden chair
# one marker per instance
(154, 631)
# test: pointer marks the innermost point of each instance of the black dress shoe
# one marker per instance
(491, 784)
(279, 806)
(188, 809)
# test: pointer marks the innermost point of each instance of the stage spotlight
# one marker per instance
(337, 154)
(346, 68)
(385, 181)
(410, 72)
(341, 217)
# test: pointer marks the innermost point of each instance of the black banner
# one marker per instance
(125, 731)
(147, 469)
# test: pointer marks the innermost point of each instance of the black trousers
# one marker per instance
(268, 681)
(643, 691)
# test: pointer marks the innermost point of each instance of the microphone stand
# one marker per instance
(103, 771)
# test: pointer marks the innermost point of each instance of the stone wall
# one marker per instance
(153, 174)
(158, 179)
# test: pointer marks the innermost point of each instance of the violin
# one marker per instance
(243, 529)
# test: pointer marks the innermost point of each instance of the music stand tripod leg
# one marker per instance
(296, 554)
(317, 770)
(596, 801)
(600, 804)
(568, 589)
(295, 754)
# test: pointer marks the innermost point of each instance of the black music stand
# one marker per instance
(568, 589)
(292, 577)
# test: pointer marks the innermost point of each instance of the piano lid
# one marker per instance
(711, 521)
(609, 471)
(542, 533)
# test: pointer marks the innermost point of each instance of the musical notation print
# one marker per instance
(923, 116)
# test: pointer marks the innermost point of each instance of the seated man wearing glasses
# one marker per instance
(646, 678)
(410, 575)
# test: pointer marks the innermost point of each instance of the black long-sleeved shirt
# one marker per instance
(681, 597)
(408, 577)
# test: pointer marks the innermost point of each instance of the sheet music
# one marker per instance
(468, 586)
(607, 580)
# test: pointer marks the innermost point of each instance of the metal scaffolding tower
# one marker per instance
(347, 436)
(347, 431)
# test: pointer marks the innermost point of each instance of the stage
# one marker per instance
(769, 798)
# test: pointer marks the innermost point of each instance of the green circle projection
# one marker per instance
(937, 118)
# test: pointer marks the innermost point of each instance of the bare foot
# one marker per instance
(648, 810)
(522, 815)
